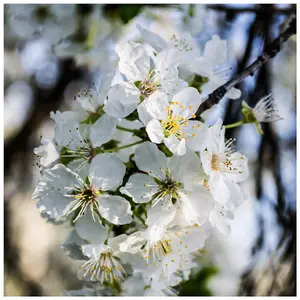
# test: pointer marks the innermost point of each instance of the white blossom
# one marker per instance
(173, 122)
(145, 74)
(181, 50)
(263, 112)
(62, 192)
(168, 185)
(224, 166)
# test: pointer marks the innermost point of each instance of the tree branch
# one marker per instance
(270, 51)
(263, 8)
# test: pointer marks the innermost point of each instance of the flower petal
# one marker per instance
(151, 160)
(51, 190)
(218, 188)
(188, 101)
(216, 50)
(103, 130)
(104, 87)
(90, 230)
(175, 145)
(134, 60)
(196, 205)
(161, 214)
(155, 131)
(106, 171)
(153, 39)
(184, 167)
(157, 105)
(197, 134)
(140, 187)
(144, 115)
(123, 99)
(195, 237)
(115, 209)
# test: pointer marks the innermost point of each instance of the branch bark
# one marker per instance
(262, 8)
(270, 51)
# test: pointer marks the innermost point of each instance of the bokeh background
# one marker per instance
(50, 51)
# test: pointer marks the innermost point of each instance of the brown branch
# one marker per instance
(270, 51)
(262, 9)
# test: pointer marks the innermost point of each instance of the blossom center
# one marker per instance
(106, 268)
(172, 125)
(215, 162)
(168, 188)
(181, 44)
(148, 87)
(84, 198)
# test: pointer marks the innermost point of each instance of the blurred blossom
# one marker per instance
(47, 73)
(230, 255)
(17, 106)
(53, 21)
(30, 62)
(194, 18)
(248, 132)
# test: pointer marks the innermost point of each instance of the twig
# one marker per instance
(271, 50)
(263, 8)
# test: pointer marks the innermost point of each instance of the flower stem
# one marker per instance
(138, 216)
(126, 129)
(108, 233)
(236, 124)
(123, 147)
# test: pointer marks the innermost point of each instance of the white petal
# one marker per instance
(134, 60)
(72, 245)
(218, 188)
(144, 115)
(90, 230)
(153, 39)
(104, 87)
(216, 50)
(175, 145)
(93, 251)
(188, 100)
(155, 131)
(154, 233)
(197, 134)
(115, 209)
(106, 171)
(195, 237)
(140, 187)
(47, 151)
(201, 66)
(123, 99)
(66, 132)
(218, 221)
(103, 130)
(151, 160)
(240, 164)
(157, 104)
(184, 167)
(172, 87)
(234, 93)
(51, 190)
(133, 243)
(196, 205)
(236, 195)
(161, 214)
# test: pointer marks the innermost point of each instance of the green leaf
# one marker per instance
(129, 11)
(133, 116)
(198, 81)
(197, 284)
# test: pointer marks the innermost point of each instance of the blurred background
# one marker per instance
(51, 51)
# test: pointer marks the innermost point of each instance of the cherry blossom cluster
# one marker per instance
(140, 179)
